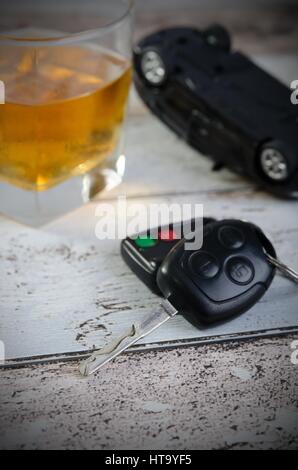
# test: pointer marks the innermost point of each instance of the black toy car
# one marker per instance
(221, 103)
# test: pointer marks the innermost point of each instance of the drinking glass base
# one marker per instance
(38, 208)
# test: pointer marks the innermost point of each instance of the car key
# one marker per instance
(145, 253)
(226, 277)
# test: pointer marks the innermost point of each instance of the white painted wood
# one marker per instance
(61, 290)
(221, 397)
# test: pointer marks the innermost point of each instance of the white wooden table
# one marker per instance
(62, 292)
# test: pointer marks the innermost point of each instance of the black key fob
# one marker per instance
(225, 278)
(145, 254)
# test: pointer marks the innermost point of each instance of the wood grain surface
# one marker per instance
(95, 294)
(240, 396)
(63, 292)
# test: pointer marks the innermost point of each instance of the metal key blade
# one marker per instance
(136, 332)
(283, 268)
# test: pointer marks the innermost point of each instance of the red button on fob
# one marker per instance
(144, 257)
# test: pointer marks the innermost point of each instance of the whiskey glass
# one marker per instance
(65, 68)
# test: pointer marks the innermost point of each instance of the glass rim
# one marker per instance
(70, 38)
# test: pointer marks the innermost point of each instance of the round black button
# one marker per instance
(204, 264)
(231, 237)
(240, 270)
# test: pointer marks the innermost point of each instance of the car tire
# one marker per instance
(153, 67)
(277, 162)
(218, 36)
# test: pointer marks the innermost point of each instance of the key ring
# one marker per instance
(286, 270)
(271, 256)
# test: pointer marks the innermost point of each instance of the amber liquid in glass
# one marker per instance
(63, 112)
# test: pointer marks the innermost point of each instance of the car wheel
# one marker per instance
(218, 36)
(277, 163)
(153, 67)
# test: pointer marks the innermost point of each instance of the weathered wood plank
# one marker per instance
(91, 298)
(37, 319)
(63, 290)
(59, 284)
(240, 396)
